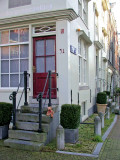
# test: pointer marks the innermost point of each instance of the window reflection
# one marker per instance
(14, 51)
(4, 52)
(4, 37)
(14, 36)
(24, 35)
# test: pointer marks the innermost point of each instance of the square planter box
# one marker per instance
(71, 135)
(4, 131)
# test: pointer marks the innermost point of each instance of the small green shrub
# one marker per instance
(97, 138)
(117, 90)
(107, 93)
(101, 98)
(5, 113)
(70, 116)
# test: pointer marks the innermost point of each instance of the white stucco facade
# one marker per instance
(77, 49)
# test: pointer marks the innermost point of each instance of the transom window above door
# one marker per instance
(45, 28)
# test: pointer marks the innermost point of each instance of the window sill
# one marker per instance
(7, 89)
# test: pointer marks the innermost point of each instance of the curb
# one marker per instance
(99, 145)
(97, 150)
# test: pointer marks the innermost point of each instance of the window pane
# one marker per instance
(5, 66)
(14, 80)
(14, 66)
(79, 46)
(5, 80)
(4, 37)
(4, 52)
(14, 51)
(40, 48)
(24, 50)
(14, 36)
(50, 47)
(50, 64)
(23, 65)
(80, 8)
(24, 35)
(40, 67)
(84, 71)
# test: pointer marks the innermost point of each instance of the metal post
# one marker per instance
(40, 112)
(14, 110)
(71, 96)
(78, 98)
(25, 87)
(49, 87)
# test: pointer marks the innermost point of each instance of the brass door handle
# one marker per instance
(34, 69)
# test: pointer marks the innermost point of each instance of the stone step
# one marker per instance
(31, 126)
(28, 135)
(30, 109)
(24, 145)
(30, 117)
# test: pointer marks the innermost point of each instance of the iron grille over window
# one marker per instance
(18, 3)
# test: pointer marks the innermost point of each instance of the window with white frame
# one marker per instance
(82, 55)
(80, 8)
(83, 10)
(80, 60)
(14, 53)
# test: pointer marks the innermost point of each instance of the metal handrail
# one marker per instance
(45, 99)
(19, 83)
(13, 97)
(20, 99)
(45, 84)
(44, 87)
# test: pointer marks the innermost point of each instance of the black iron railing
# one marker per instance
(40, 96)
(14, 94)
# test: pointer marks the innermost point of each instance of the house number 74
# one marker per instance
(62, 51)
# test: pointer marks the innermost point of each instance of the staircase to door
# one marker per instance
(26, 135)
(26, 126)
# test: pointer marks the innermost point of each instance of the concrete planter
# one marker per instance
(4, 131)
(71, 135)
(101, 108)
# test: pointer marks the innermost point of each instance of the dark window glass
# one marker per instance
(18, 3)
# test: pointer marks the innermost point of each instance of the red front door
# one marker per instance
(44, 59)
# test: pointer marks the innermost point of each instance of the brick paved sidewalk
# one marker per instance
(111, 147)
(110, 150)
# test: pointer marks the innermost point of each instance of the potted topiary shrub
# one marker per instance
(70, 120)
(5, 118)
(101, 102)
(107, 93)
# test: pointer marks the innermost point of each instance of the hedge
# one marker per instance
(70, 116)
(5, 113)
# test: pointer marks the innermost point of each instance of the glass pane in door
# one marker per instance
(50, 47)
(50, 63)
(40, 48)
(40, 65)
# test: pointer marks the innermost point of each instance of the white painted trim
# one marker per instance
(69, 14)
